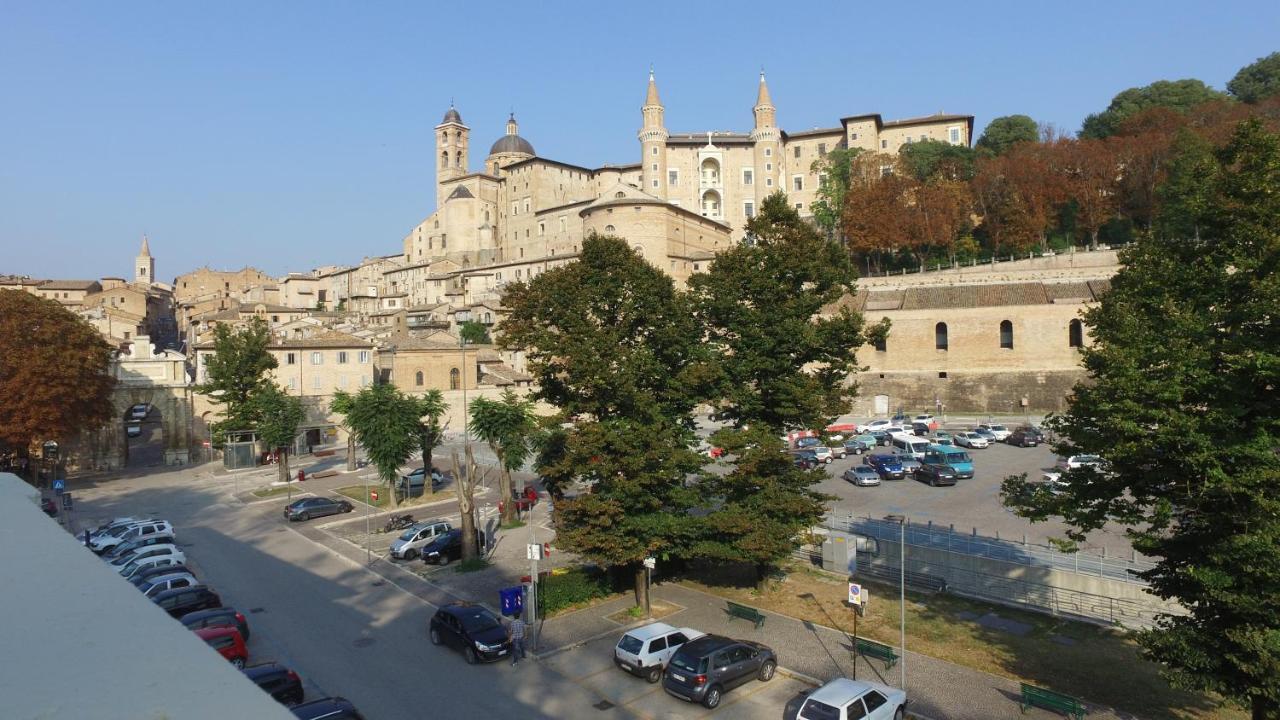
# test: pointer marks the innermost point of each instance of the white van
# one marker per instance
(909, 445)
(646, 650)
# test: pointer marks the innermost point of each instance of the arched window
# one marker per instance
(638, 249)
(711, 204)
(710, 171)
(417, 379)
(608, 228)
(444, 159)
(881, 344)
(457, 160)
(620, 195)
(1075, 334)
(940, 336)
(1006, 334)
(455, 378)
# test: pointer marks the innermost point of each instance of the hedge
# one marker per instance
(578, 585)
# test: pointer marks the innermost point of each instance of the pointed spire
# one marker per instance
(762, 97)
(652, 97)
(146, 248)
(512, 127)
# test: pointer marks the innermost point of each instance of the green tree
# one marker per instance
(781, 363)
(1185, 194)
(1182, 402)
(431, 406)
(934, 159)
(833, 170)
(54, 378)
(278, 417)
(235, 372)
(386, 422)
(506, 425)
(474, 333)
(1257, 81)
(1006, 131)
(1180, 95)
(615, 346)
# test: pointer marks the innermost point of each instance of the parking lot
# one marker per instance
(591, 665)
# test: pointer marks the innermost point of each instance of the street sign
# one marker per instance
(855, 594)
(373, 495)
(533, 551)
(59, 485)
(66, 501)
(650, 563)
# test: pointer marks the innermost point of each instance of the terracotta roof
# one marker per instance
(434, 341)
(331, 338)
(70, 284)
(815, 131)
(501, 374)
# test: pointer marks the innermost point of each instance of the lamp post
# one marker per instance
(368, 553)
(902, 596)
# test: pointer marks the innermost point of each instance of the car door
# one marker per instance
(657, 650)
(855, 710)
(877, 706)
(674, 641)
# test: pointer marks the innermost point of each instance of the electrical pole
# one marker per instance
(902, 597)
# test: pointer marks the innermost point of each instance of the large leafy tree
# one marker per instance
(431, 406)
(236, 371)
(506, 425)
(1258, 80)
(615, 347)
(474, 333)
(781, 363)
(834, 169)
(386, 422)
(1006, 131)
(1184, 404)
(54, 379)
(1179, 95)
(278, 417)
(933, 159)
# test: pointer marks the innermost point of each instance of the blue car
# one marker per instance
(889, 466)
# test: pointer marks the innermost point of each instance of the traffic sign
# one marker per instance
(650, 563)
(373, 495)
(855, 594)
(533, 551)
(66, 501)
(59, 485)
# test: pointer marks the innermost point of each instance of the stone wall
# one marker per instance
(965, 392)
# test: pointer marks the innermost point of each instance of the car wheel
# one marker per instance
(933, 482)
(712, 699)
(654, 674)
(435, 636)
(304, 516)
(444, 559)
(238, 662)
(766, 670)
(470, 656)
(898, 714)
(410, 554)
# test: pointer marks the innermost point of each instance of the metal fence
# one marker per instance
(972, 544)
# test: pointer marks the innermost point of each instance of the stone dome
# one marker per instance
(512, 144)
(452, 116)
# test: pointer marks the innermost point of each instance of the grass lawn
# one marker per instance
(1093, 663)
(356, 492)
(275, 491)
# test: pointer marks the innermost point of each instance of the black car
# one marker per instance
(307, 508)
(473, 629)
(277, 681)
(330, 708)
(936, 475)
(142, 577)
(217, 617)
(443, 548)
(1025, 437)
(704, 669)
(181, 601)
(921, 429)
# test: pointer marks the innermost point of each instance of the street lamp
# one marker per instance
(902, 596)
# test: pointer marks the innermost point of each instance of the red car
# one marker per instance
(228, 642)
(523, 502)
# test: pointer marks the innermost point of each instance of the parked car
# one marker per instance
(808, 455)
(128, 572)
(330, 708)
(160, 583)
(1079, 461)
(141, 577)
(889, 467)
(410, 542)
(926, 419)
(936, 474)
(860, 444)
(116, 556)
(307, 508)
(844, 699)
(971, 440)
(473, 629)
(807, 442)
(1034, 431)
(1023, 438)
(415, 484)
(278, 681)
(999, 432)
(139, 412)
(646, 650)
(822, 453)
(942, 437)
(133, 430)
(118, 523)
(872, 425)
(227, 642)
(217, 617)
(881, 435)
(837, 449)
(157, 547)
(443, 548)
(862, 476)
(909, 465)
(921, 429)
(805, 463)
(953, 457)
(185, 600)
(110, 540)
(704, 669)
(985, 433)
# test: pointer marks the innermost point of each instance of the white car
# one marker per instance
(999, 432)
(149, 551)
(970, 440)
(139, 412)
(172, 581)
(646, 650)
(838, 450)
(410, 543)
(146, 528)
(1079, 461)
(873, 425)
(822, 452)
(845, 699)
(160, 561)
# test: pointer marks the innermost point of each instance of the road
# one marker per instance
(342, 628)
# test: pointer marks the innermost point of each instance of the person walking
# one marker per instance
(515, 634)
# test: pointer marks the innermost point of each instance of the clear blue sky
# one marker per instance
(288, 135)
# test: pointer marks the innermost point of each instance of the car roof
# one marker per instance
(651, 630)
(211, 612)
(705, 645)
(267, 668)
(324, 707)
(214, 631)
(841, 691)
(179, 591)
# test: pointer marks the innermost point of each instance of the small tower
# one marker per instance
(508, 149)
(451, 151)
(144, 265)
(768, 148)
(653, 143)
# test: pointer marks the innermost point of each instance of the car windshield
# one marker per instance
(128, 569)
(958, 457)
(410, 534)
(815, 710)
(630, 644)
(688, 664)
(478, 620)
(999, 428)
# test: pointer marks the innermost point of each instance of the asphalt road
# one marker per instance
(345, 631)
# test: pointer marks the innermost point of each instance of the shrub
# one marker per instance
(578, 585)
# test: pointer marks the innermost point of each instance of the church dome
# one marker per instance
(452, 116)
(512, 144)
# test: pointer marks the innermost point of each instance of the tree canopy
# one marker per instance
(278, 417)
(474, 333)
(1258, 80)
(1182, 403)
(507, 425)
(386, 422)
(54, 379)
(1180, 95)
(833, 170)
(1006, 131)
(236, 371)
(934, 159)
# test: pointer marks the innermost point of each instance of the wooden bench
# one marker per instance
(1050, 700)
(745, 612)
(879, 651)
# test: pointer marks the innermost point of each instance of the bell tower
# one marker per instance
(451, 151)
(768, 148)
(653, 144)
(144, 266)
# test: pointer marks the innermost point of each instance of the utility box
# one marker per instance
(838, 553)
